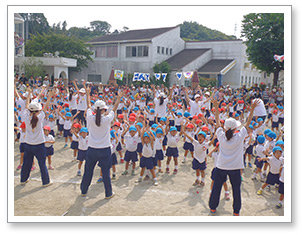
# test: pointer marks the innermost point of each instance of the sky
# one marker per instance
(221, 18)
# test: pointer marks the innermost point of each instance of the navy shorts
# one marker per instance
(60, 127)
(146, 162)
(171, 122)
(82, 155)
(269, 115)
(119, 147)
(249, 150)
(165, 140)
(281, 120)
(154, 159)
(275, 124)
(213, 173)
(119, 111)
(172, 152)
(281, 188)
(67, 133)
(52, 133)
(74, 144)
(113, 159)
(21, 147)
(130, 156)
(49, 151)
(188, 146)
(159, 155)
(139, 148)
(272, 179)
(259, 164)
(178, 128)
(196, 165)
(151, 123)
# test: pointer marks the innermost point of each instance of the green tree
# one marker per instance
(33, 67)
(101, 27)
(163, 67)
(67, 46)
(265, 38)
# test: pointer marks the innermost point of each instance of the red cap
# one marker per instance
(66, 105)
(141, 116)
(223, 104)
(222, 121)
(230, 104)
(121, 116)
(132, 115)
(117, 124)
(195, 117)
(189, 108)
(174, 104)
(109, 101)
(46, 128)
(203, 108)
(179, 105)
(213, 109)
(205, 129)
(219, 109)
(132, 119)
(271, 105)
(200, 115)
(150, 104)
(217, 144)
(190, 125)
(275, 111)
(77, 125)
(23, 125)
(198, 121)
(222, 109)
(240, 102)
(170, 106)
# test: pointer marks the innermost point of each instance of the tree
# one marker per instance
(33, 67)
(67, 46)
(101, 27)
(163, 67)
(265, 38)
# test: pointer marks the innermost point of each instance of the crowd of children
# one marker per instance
(150, 132)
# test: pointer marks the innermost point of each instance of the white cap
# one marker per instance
(207, 93)
(100, 104)
(82, 90)
(274, 90)
(231, 123)
(196, 96)
(205, 89)
(162, 94)
(34, 106)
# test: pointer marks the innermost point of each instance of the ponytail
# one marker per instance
(161, 100)
(98, 117)
(229, 134)
(34, 120)
(70, 95)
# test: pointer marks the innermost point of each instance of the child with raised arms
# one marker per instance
(75, 129)
(49, 141)
(83, 146)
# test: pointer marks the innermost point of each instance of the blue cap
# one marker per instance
(15, 109)
(132, 97)
(67, 109)
(125, 108)
(68, 114)
(259, 120)
(142, 98)
(236, 115)
(179, 114)
(179, 100)
(92, 101)
(19, 106)
(62, 111)
(152, 111)
(202, 133)
(154, 125)
(173, 128)
(121, 99)
(159, 131)
(19, 118)
(251, 126)
(132, 128)
(100, 96)
(135, 109)
(139, 124)
(84, 129)
(267, 131)
(173, 110)
(112, 134)
(146, 134)
(163, 119)
(187, 114)
(272, 135)
(279, 142)
(277, 148)
(50, 116)
(280, 107)
(260, 139)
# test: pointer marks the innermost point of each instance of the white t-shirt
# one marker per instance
(172, 141)
(259, 150)
(215, 157)
(67, 124)
(34, 136)
(200, 150)
(82, 105)
(113, 145)
(160, 109)
(22, 103)
(158, 143)
(49, 138)
(147, 151)
(195, 107)
(83, 143)
(275, 164)
(131, 142)
(73, 103)
(191, 134)
(260, 110)
(22, 135)
(231, 152)
(99, 136)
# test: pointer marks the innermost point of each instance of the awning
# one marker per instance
(217, 66)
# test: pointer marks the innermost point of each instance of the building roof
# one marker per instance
(184, 57)
(140, 34)
(217, 66)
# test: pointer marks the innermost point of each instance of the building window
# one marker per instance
(167, 51)
(163, 50)
(241, 81)
(106, 51)
(158, 50)
(245, 80)
(95, 78)
(170, 51)
(137, 51)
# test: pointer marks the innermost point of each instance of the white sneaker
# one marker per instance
(155, 183)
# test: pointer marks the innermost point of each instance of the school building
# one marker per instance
(139, 50)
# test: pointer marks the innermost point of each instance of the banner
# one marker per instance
(135, 76)
(145, 77)
(157, 76)
(279, 58)
(188, 75)
(164, 75)
(118, 74)
(179, 75)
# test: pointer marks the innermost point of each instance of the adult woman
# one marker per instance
(161, 104)
(33, 117)
(82, 98)
(230, 159)
(98, 143)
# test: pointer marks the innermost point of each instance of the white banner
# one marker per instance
(188, 75)
(179, 75)
(157, 76)
(118, 74)
(164, 75)
(145, 77)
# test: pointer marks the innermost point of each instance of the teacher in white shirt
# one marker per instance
(230, 159)
(98, 143)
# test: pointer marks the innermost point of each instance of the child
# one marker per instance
(146, 161)
(83, 146)
(188, 146)
(214, 154)
(51, 123)
(275, 120)
(281, 187)
(158, 145)
(260, 151)
(275, 161)
(118, 132)
(75, 140)
(49, 141)
(131, 141)
(173, 137)
(199, 161)
(68, 120)
(22, 131)
(249, 144)
(269, 145)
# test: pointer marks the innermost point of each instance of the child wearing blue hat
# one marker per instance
(269, 145)
(249, 144)
(158, 146)
(281, 115)
(82, 148)
(178, 119)
(130, 140)
(68, 120)
(260, 152)
(199, 155)
(275, 160)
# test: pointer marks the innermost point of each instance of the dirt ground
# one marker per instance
(174, 196)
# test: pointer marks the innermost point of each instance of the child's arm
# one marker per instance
(73, 117)
(62, 115)
(263, 159)
(212, 151)
(189, 137)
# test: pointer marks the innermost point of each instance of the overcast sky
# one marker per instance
(222, 18)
